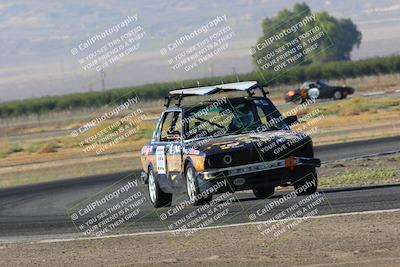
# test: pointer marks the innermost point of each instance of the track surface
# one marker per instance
(41, 210)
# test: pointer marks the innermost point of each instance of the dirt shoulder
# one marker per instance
(352, 240)
(361, 172)
(53, 154)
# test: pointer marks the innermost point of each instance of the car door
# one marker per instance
(325, 90)
(174, 153)
(159, 150)
(168, 152)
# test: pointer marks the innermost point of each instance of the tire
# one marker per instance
(157, 197)
(298, 100)
(264, 192)
(192, 187)
(311, 177)
(337, 95)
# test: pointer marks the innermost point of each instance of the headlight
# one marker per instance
(227, 159)
(290, 93)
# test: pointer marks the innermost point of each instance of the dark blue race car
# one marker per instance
(318, 90)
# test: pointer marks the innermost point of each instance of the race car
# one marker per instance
(225, 145)
(318, 90)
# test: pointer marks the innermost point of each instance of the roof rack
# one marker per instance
(178, 95)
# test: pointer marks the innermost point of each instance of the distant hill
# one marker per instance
(36, 59)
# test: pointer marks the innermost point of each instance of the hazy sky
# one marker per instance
(37, 38)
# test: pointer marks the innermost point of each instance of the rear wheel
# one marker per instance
(192, 188)
(157, 197)
(264, 192)
(307, 185)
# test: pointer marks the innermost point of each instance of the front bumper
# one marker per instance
(260, 167)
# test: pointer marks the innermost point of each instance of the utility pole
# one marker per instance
(212, 70)
(103, 77)
(235, 74)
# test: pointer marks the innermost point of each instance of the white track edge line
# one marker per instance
(215, 227)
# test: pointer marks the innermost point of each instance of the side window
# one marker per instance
(157, 132)
(171, 127)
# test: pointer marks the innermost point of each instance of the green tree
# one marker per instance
(341, 35)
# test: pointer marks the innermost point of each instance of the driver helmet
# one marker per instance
(244, 116)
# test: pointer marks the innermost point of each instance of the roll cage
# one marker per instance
(179, 94)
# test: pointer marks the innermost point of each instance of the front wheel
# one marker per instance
(307, 185)
(192, 187)
(337, 95)
(157, 197)
(265, 192)
(298, 100)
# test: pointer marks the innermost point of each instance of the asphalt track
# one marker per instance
(44, 210)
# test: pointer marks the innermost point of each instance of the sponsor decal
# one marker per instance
(192, 151)
(174, 149)
(160, 158)
(231, 145)
(146, 149)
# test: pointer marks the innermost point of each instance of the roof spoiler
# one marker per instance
(248, 86)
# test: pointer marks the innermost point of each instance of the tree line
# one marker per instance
(296, 74)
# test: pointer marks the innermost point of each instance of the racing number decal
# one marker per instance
(160, 157)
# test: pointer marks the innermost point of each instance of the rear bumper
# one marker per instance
(260, 167)
(292, 98)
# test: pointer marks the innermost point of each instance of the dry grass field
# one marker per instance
(32, 153)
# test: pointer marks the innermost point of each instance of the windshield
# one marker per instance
(231, 117)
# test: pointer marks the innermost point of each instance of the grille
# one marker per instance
(240, 157)
(254, 155)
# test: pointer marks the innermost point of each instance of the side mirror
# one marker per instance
(174, 136)
(290, 120)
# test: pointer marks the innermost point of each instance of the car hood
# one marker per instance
(249, 141)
